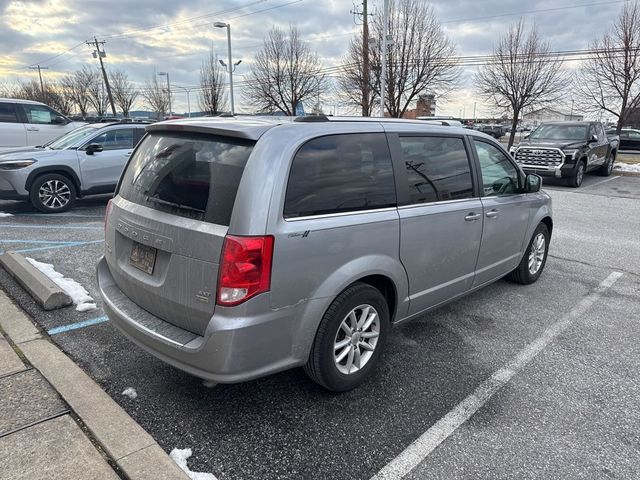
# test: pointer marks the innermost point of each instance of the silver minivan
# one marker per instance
(237, 248)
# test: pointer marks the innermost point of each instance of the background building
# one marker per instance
(550, 115)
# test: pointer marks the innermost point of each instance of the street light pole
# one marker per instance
(162, 74)
(188, 90)
(230, 63)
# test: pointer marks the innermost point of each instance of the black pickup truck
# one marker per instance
(567, 150)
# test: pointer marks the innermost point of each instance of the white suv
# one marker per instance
(25, 123)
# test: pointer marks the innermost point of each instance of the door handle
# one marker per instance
(493, 213)
(472, 217)
(32, 129)
(128, 154)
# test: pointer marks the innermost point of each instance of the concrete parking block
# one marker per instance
(27, 398)
(15, 323)
(44, 290)
(56, 450)
(9, 361)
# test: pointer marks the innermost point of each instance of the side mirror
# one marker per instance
(594, 138)
(93, 148)
(60, 120)
(532, 183)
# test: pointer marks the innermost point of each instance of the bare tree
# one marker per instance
(76, 85)
(212, 98)
(59, 97)
(421, 59)
(123, 90)
(352, 82)
(96, 94)
(610, 80)
(285, 73)
(521, 74)
(29, 90)
(156, 97)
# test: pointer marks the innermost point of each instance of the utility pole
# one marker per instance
(100, 54)
(366, 108)
(38, 67)
(383, 60)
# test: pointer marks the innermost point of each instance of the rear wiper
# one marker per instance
(173, 204)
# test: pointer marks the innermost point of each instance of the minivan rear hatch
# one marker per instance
(168, 221)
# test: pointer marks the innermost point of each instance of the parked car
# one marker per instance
(567, 150)
(239, 248)
(496, 131)
(85, 161)
(26, 123)
(629, 138)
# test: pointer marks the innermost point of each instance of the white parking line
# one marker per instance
(415, 453)
(602, 181)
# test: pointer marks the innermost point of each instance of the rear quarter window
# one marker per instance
(188, 175)
(340, 173)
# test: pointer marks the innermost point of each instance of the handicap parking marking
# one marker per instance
(420, 449)
(52, 245)
(54, 227)
(77, 325)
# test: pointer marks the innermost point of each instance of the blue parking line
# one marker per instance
(52, 246)
(55, 242)
(77, 325)
(53, 227)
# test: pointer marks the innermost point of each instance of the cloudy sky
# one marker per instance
(144, 36)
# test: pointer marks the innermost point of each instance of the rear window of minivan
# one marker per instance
(189, 175)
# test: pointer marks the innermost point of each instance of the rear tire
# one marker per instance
(606, 169)
(350, 339)
(576, 180)
(534, 258)
(52, 193)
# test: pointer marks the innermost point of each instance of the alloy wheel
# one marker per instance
(536, 254)
(54, 194)
(356, 339)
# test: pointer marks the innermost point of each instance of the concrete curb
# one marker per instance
(625, 174)
(47, 293)
(127, 443)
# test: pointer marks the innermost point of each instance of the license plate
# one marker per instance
(143, 257)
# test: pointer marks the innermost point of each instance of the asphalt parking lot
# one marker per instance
(548, 374)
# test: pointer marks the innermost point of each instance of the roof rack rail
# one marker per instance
(312, 118)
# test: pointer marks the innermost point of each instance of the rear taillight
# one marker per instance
(106, 215)
(245, 269)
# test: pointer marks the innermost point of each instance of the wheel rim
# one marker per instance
(580, 174)
(536, 254)
(54, 194)
(356, 339)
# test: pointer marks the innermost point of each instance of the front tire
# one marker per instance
(350, 339)
(52, 193)
(534, 259)
(576, 180)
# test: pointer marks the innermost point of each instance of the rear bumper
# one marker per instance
(239, 344)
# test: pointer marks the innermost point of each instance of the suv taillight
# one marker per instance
(245, 269)
(106, 215)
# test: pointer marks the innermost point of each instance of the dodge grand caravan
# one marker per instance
(239, 248)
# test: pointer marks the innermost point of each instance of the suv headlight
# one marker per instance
(571, 154)
(16, 164)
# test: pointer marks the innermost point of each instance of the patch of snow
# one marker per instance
(131, 393)
(180, 456)
(77, 292)
(627, 167)
(3, 214)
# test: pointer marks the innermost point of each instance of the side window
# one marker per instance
(633, 135)
(437, 169)
(117, 139)
(592, 131)
(601, 135)
(499, 175)
(340, 173)
(39, 114)
(8, 113)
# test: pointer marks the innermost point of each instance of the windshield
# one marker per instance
(560, 132)
(71, 138)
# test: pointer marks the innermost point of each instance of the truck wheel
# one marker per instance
(534, 258)
(52, 193)
(576, 180)
(350, 339)
(606, 169)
